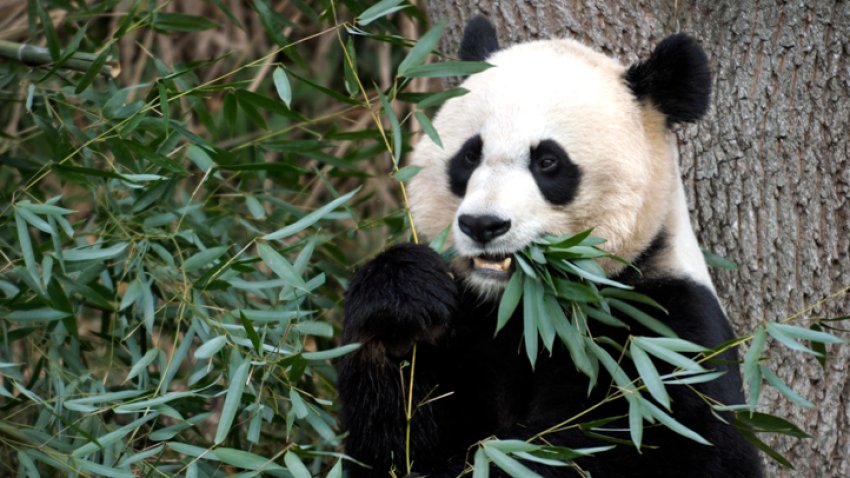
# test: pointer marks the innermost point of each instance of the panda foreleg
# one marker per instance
(403, 296)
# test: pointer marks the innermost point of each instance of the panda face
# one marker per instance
(551, 140)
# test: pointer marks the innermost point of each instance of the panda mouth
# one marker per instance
(493, 265)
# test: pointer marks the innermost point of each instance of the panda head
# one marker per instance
(557, 138)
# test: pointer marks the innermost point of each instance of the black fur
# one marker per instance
(463, 164)
(479, 40)
(676, 79)
(494, 392)
(557, 177)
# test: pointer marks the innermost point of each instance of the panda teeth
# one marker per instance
(493, 265)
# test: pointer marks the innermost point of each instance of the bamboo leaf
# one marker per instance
(281, 85)
(674, 358)
(783, 388)
(309, 219)
(395, 127)
(204, 258)
(672, 424)
(416, 56)
(650, 376)
(94, 254)
(379, 10)
(508, 464)
(296, 466)
(210, 347)
(331, 353)
(142, 364)
(233, 399)
(446, 69)
(532, 291)
(481, 464)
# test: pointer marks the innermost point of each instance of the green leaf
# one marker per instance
(142, 364)
(233, 399)
(636, 421)
(309, 219)
(408, 172)
(319, 329)
(46, 209)
(26, 245)
(92, 72)
(511, 446)
(672, 424)
(575, 291)
(428, 128)
(204, 258)
(787, 340)
(336, 471)
(532, 292)
(181, 22)
(650, 376)
(281, 267)
(632, 296)
(807, 334)
(296, 466)
(246, 460)
(255, 208)
(716, 260)
(784, 389)
(34, 220)
(200, 157)
(481, 465)
(752, 371)
(133, 292)
(752, 438)
(330, 353)
(569, 266)
(446, 69)
(94, 254)
(379, 10)
(652, 346)
(112, 437)
(281, 84)
(510, 300)
(416, 56)
(441, 97)
(210, 347)
(763, 422)
(37, 315)
(508, 464)
(248, 327)
(643, 318)
(49, 31)
(298, 406)
(394, 126)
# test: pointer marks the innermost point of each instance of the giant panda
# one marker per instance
(555, 138)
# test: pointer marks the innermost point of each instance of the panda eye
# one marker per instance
(547, 164)
(471, 158)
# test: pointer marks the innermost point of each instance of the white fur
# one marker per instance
(560, 90)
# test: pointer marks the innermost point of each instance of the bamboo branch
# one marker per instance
(38, 56)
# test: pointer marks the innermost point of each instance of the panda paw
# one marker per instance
(402, 296)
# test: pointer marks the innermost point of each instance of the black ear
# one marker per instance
(676, 78)
(479, 40)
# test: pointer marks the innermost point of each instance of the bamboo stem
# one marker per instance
(38, 56)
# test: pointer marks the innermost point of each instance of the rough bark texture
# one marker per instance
(767, 172)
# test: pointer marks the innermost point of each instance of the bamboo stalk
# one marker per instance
(36, 55)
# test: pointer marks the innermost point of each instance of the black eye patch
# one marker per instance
(557, 177)
(463, 163)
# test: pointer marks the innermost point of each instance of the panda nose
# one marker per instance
(483, 228)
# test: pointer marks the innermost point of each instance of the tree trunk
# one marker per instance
(766, 172)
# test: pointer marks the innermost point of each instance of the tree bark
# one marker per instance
(766, 172)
